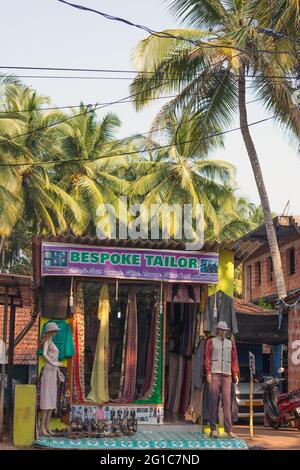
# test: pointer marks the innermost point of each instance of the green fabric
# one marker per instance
(63, 339)
(156, 397)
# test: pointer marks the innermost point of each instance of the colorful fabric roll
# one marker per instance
(128, 379)
(99, 378)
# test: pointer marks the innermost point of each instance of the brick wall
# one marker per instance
(267, 287)
(294, 349)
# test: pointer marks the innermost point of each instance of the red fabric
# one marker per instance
(130, 364)
(208, 358)
(150, 353)
(77, 384)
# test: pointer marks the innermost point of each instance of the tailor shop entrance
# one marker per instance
(135, 320)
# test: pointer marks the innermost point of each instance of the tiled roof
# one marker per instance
(18, 287)
(25, 351)
(242, 306)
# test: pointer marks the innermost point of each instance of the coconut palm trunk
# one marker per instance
(252, 154)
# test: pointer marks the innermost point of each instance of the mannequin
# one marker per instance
(49, 378)
(221, 366)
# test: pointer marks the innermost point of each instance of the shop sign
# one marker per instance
(128, 263)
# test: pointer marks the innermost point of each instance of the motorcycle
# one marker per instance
(281, 409)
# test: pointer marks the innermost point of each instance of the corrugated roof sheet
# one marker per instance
(139, 243)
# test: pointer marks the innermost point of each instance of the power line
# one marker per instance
(134, 152)
(52, 108)
(165, 74)
(166, 35)
(78, 77)
(92, 109)
(96, 107)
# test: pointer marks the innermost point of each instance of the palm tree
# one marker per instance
(210, 77)
(95, 178)
(179, 172)
(28, 139)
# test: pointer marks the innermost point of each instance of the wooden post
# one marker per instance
(3, 364)
(163, 333)
(252, 372)
(10, 364)
(251, 406)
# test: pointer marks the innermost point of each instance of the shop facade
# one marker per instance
(133, 312)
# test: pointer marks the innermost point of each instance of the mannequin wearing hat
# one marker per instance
(49, 377)
(221, 365)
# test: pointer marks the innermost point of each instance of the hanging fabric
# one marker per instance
(128, 376)
(79, 341)
(99, 378)
(63, 339)
(151, 375)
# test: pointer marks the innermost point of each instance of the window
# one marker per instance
(291, 261)
(270, 268)
(249, 282)
(258, 273)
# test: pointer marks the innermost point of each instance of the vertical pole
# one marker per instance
(3, 364)
(10, 364)
(251, 406)
(163, 333)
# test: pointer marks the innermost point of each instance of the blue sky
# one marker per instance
(48, 33)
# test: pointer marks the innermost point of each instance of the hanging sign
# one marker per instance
(128, 263)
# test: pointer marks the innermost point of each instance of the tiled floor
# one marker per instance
(149, 437)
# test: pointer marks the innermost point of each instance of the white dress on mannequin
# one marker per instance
(49, 377)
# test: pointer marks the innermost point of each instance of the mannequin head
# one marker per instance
(48, 335)
(221, 333)
(222, 329)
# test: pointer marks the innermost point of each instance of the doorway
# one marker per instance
(181, 329)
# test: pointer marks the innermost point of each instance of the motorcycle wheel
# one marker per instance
(271, 422)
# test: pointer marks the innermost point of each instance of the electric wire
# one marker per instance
(148, 150)
(166, 35)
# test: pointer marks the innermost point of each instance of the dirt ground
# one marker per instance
(285, 439)
(264, 438)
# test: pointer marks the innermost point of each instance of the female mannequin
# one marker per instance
(49, 377)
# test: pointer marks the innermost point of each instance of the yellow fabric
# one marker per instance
(24, 415)
(99, 379)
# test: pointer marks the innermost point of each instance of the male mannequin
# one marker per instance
(221, 366)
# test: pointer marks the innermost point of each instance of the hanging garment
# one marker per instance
(198, 365)
(144, 333)
(99, 378)
(173, 376)
(220, 307)
(63, 339)
(178, 385)
(194, 410)
(78, 391)
(152, 355)
(78, 387)
(196, 395)
(128, 379)
(186, 385)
